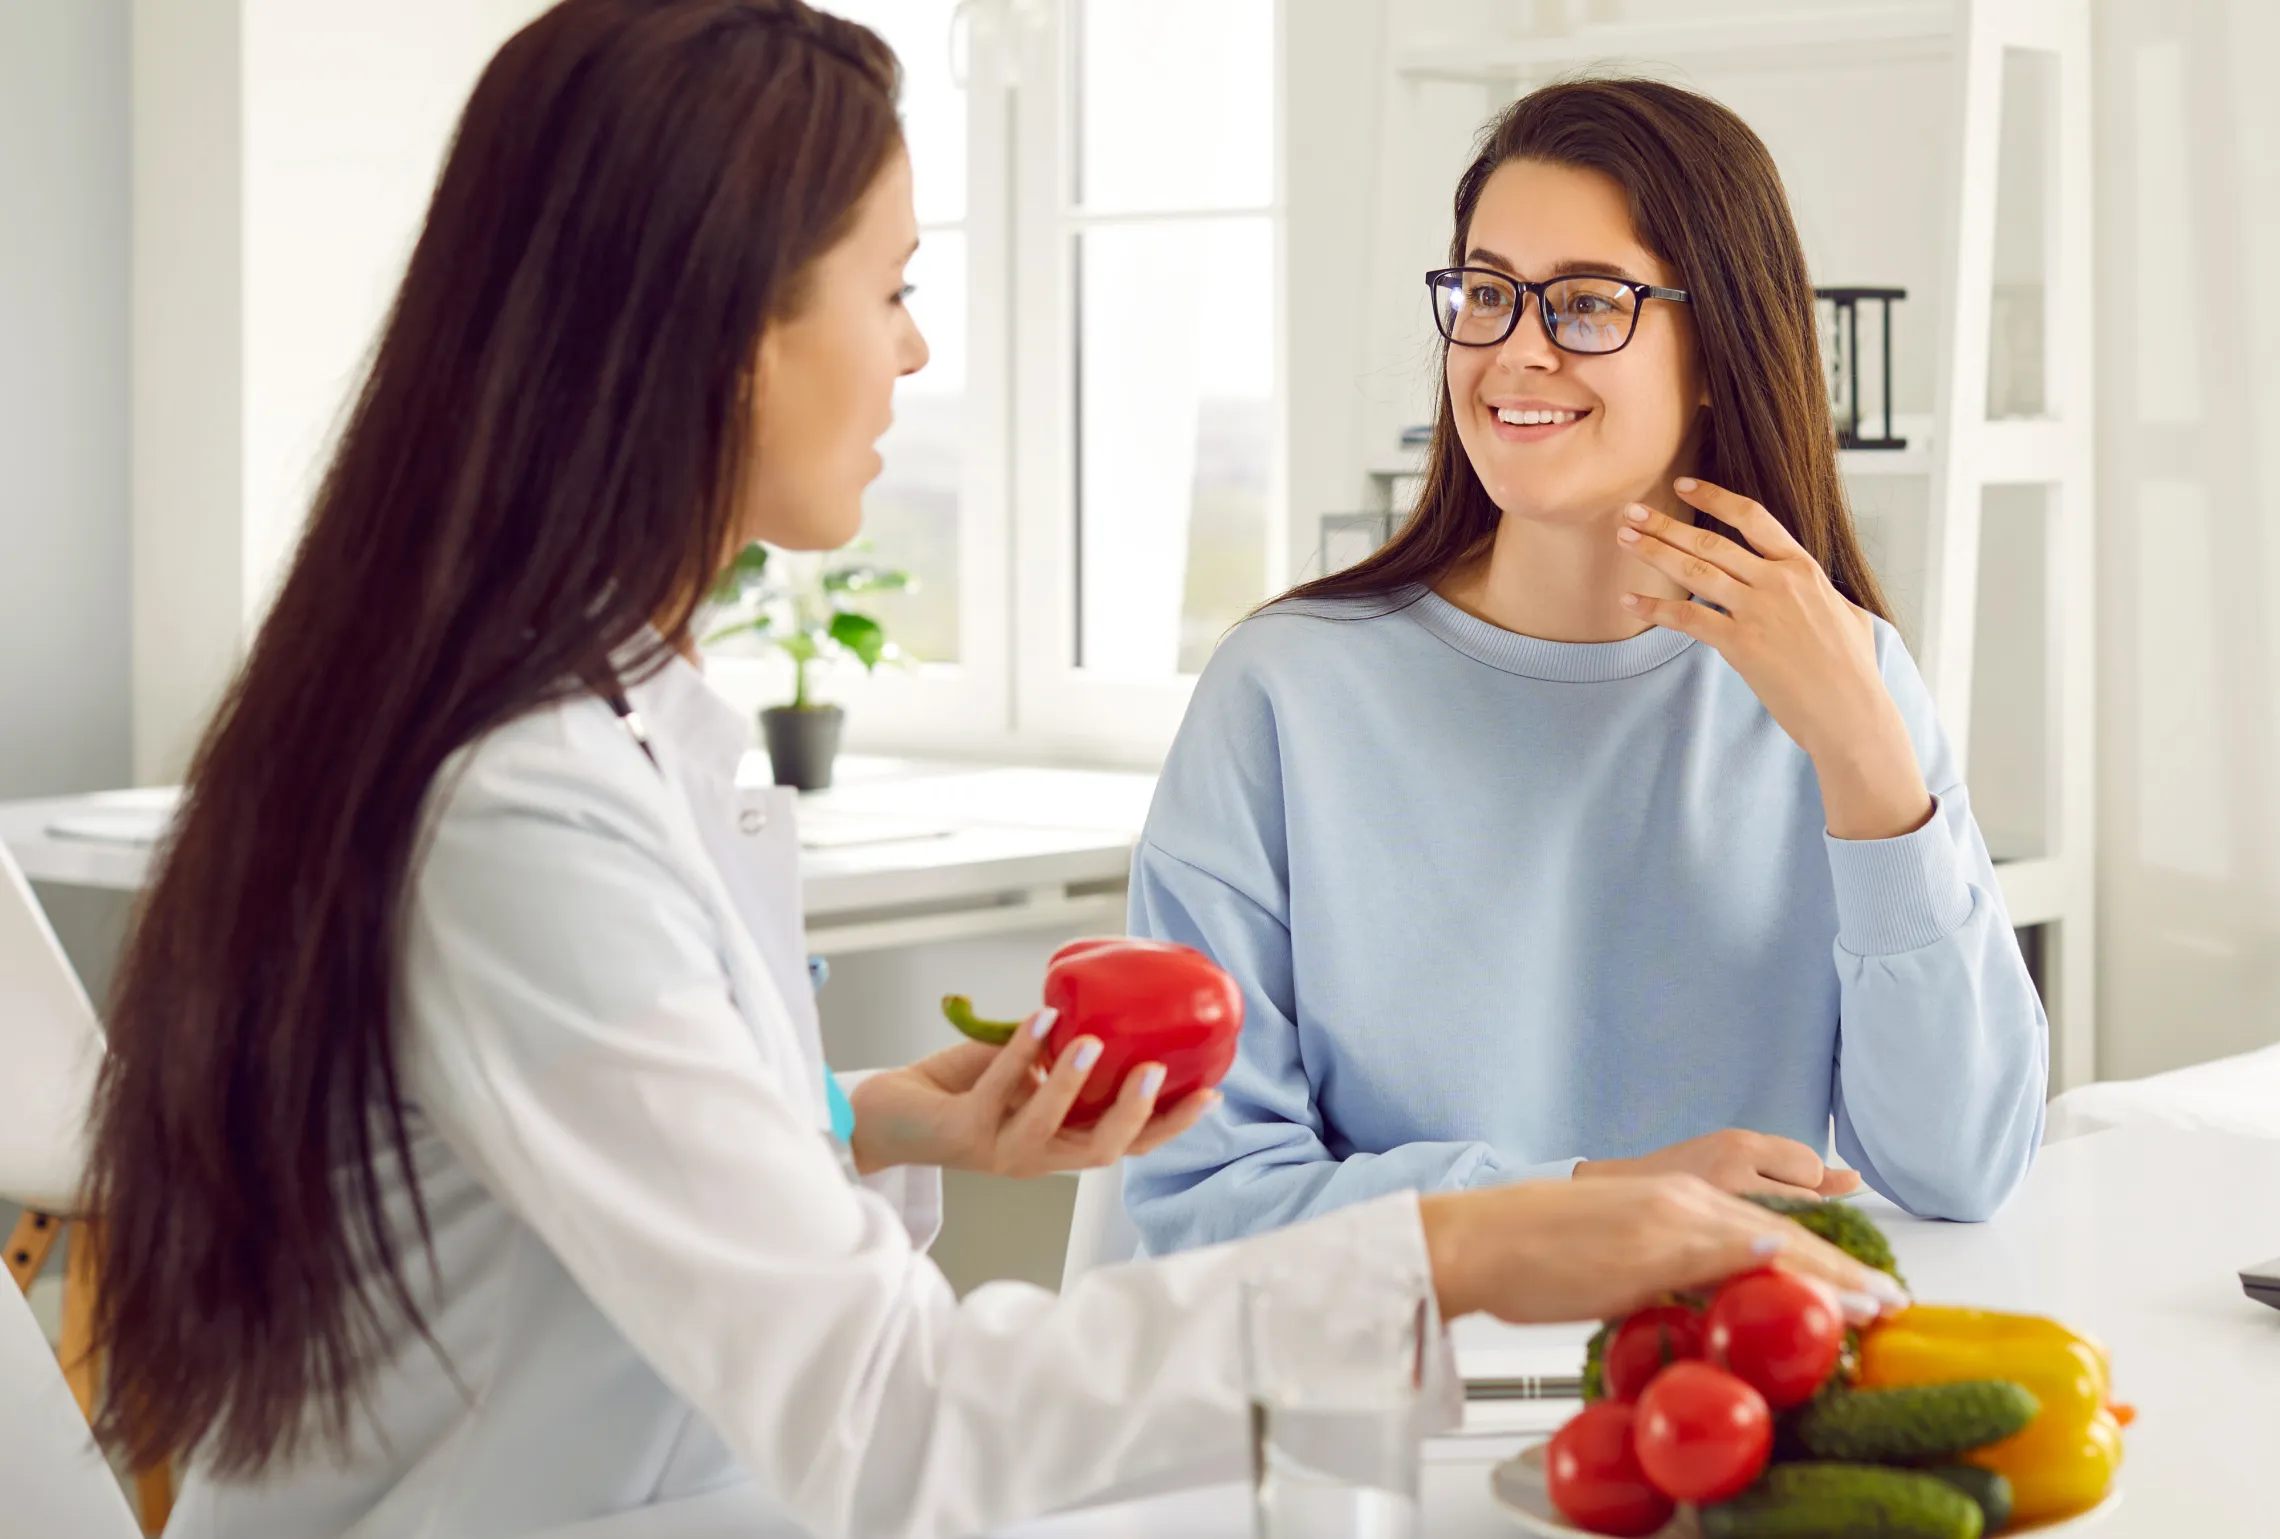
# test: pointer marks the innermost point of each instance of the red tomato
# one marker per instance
(1777, 1333)
(1593, 1474)
(1703, 1435)
(1647, 1343)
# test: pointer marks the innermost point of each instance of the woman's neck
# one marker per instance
(1560, 582)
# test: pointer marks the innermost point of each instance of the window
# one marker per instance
(1086, 480)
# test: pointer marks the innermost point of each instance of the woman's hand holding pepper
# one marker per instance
(1807, 652)
(999, 1110)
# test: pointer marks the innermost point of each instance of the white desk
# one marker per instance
(2134, 1235)
(901, 851)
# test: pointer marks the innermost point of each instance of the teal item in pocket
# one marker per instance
(842, 1110)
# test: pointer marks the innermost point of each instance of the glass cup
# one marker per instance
(1334, 1360)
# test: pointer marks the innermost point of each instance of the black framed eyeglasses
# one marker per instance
(1582, 313)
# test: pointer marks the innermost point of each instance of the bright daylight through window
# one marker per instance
(1083, 482)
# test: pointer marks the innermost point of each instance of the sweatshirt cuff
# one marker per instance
(1491, 1171)
(1896, 895)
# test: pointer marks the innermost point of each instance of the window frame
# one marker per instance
(1061, 709)
(1015, 692)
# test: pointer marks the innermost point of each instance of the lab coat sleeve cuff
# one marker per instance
(1896, 895)
(915, 1191)
(1384, 1236)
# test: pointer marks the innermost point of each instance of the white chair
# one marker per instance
(2240, 1095)
(52, 1478)
(52, 1043)
(53, 1046)
(1101, 1233)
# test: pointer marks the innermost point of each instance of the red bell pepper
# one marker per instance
(1147, 1001)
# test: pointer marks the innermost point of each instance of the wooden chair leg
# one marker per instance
(154, 1495)
(82, 1364)
(28, 1247)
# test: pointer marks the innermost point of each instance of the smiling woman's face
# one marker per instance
(1620, 424)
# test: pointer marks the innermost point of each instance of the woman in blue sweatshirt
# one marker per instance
(1600, 821)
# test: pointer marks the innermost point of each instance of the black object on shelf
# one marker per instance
(1840, 342)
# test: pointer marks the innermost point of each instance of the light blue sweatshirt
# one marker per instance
(1500, 904)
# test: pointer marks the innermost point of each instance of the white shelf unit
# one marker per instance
(2015, 122)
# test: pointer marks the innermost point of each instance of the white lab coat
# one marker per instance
(653, 1276)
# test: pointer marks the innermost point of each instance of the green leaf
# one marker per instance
(861, 635)
(800, 646)
(867, 579)
(756, 625)
(740, 574)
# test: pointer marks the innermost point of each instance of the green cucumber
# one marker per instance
(1840, 1223)
(1844, 1501)
(1990, 1490)
(1912, 1425)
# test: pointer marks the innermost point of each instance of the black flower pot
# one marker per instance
(802, 743)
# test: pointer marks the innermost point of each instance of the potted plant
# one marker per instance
(804, 606)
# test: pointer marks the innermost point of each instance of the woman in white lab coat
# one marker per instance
(466, 1155)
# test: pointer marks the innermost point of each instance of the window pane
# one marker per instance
(933, 103)
(910, 514)
(1175, 373)
(1175, 101)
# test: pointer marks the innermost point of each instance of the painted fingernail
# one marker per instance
(1685, 483)
(1886, 1290)
(1088, 1054)
(1152, 1082)
(1859, 1308)
(1630, 601)
(1637, 512)
(1766, 1245)
(1627, 536)
(1041, 1024)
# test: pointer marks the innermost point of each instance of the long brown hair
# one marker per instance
(1706, 199)
(547, 455)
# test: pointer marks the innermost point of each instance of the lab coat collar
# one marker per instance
(680, 705)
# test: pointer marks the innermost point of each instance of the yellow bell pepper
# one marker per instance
(2064, 1461)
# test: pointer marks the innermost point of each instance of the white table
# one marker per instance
(2133, 1235)
(899, 852)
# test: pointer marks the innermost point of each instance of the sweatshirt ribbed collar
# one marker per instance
(1563, 662)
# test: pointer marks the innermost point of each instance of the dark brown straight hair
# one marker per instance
(547, 455)
(1705, 198)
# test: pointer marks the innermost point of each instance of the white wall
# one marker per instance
(63, 395)
(2189, 511)
(285, 150)
(189, 408)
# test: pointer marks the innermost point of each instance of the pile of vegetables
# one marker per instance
(1757, 1405)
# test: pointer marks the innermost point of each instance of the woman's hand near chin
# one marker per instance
(1807, 651)
(1540, 1251)
(1738, 1161)
(1000, 1111)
